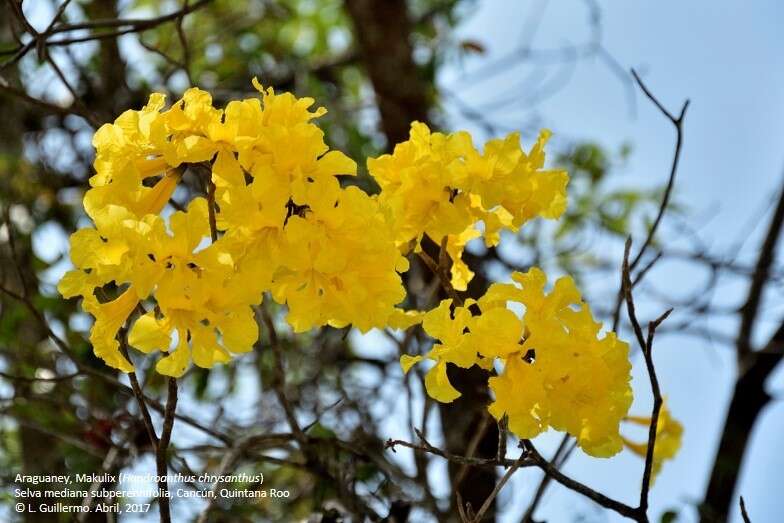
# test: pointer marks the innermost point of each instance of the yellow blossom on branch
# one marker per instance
(556, 370)
(441, 186)
(669, 433)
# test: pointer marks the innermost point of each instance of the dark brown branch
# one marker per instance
(440, 269)
(561, 453)
(211, 209)
(760, 277)
(656, 410)
(426, 447)
(41, 41)
(597, 497)
(498, 486)
(749, 396)
(139, 395)
(626, 290)
(161, 458)
(677, 122)
(646, 346)
(135, 23)
(743, 513)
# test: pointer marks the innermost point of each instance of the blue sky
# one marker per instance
(727, 58)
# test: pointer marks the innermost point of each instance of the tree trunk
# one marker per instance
(383, 32)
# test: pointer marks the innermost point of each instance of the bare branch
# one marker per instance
(760, 277)
(677, 122)
(498, 486)
(743, 512)
(606, 502)
(161, 458)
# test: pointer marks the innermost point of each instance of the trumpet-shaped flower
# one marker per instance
(669, 433)
(440, 185)
(340, 260)
(556, 369)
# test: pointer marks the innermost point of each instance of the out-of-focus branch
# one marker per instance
(743, 513)
(428, 448)
(749, 396)
(129, 25)
(383, 29)
(498, 486)
(760, 278)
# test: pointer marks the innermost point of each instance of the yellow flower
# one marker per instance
(520, 394)
(109, 317)
(213, 335)
(262, 156)
(557, 371)
(191, 286)
(453, 347)
(586, 378)
(419, 187)
(442, 186)
(340, 261)
(669, 433)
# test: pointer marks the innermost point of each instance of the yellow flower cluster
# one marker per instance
(557, 372)
(287, 227)
(668, 439)
(441, 186)
(277, 220)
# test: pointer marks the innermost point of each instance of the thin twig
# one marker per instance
(139, 395)
(646, 346)
(211, 209)
(743, 512)
(426, 447)
(161, 459)
(677, 122)
(597, 497)
(556, 462)
(656, 410)
(498, 486)
(279, 380)
(626, 292)
(441, 270)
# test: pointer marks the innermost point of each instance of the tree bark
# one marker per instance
(383, 31)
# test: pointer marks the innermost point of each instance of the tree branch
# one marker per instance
(677, 122)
